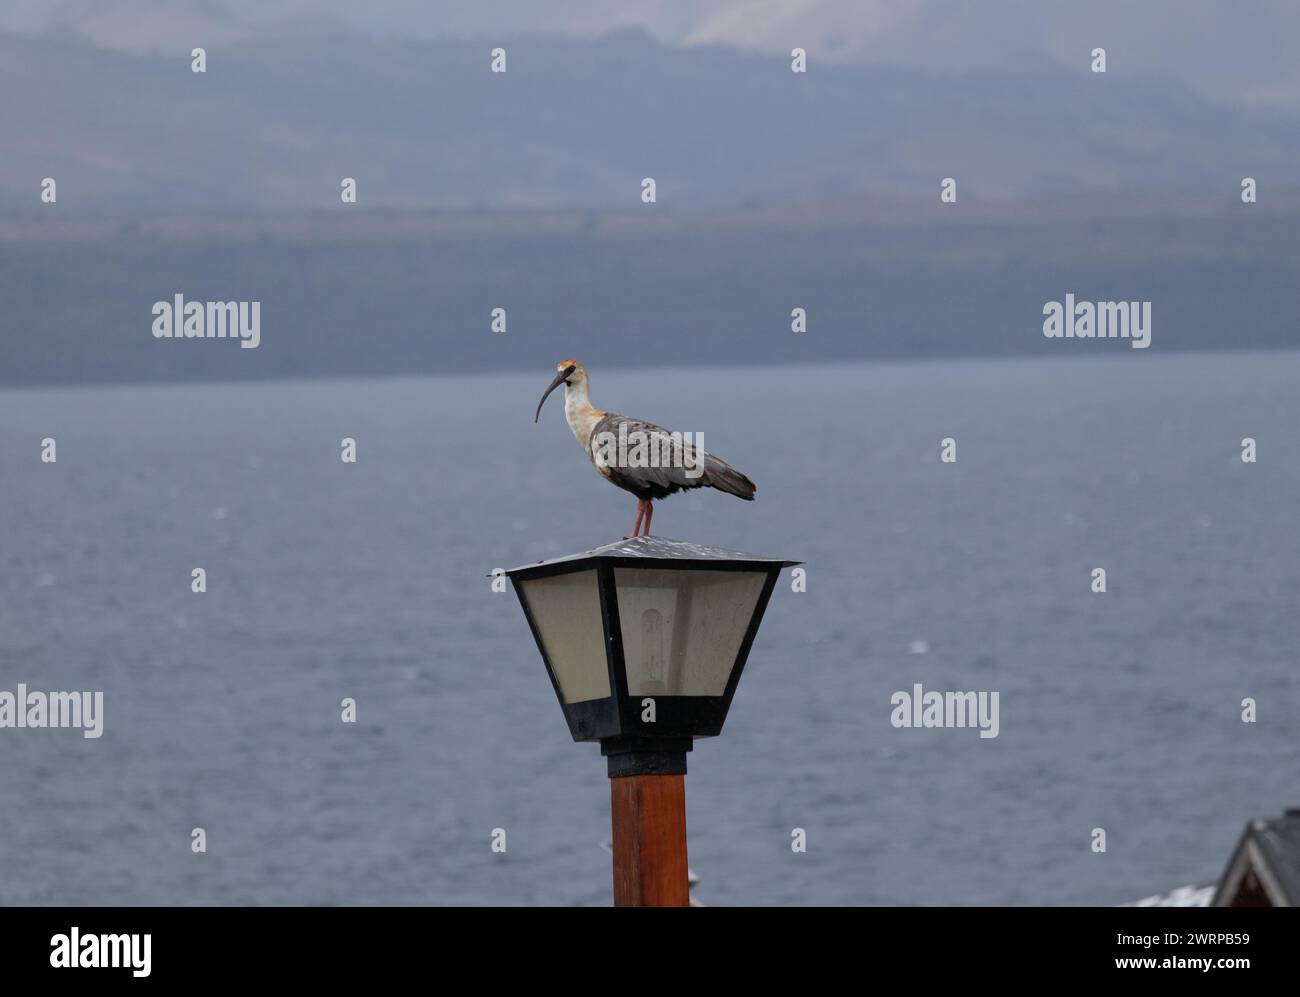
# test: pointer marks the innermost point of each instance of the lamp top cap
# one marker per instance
(660, 549)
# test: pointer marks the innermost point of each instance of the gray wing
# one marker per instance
(652, 462)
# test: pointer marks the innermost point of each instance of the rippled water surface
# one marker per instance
(328, 580)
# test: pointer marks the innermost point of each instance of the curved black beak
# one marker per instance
(559, 379)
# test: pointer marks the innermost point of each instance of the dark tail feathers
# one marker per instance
(725, 478)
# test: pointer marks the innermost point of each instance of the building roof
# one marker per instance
(1270, 851)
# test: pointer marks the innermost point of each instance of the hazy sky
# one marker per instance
(1241, 51)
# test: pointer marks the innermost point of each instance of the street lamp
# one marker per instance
(644, 641)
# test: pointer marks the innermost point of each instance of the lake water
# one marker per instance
(327, 580)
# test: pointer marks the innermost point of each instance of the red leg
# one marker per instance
(649, 511)
(640, 511)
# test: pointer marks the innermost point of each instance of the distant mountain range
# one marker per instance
(408, 292)
(273, 126)
(522, 191)
(1239, 53)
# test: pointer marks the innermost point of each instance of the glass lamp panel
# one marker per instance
(566, 612)
(683, 629)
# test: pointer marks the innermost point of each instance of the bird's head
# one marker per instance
(566, 372)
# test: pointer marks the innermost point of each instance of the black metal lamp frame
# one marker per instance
(631, 746)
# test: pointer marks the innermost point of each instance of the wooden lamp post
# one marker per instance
(644, 641)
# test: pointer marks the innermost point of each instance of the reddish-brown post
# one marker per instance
(649, 818)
